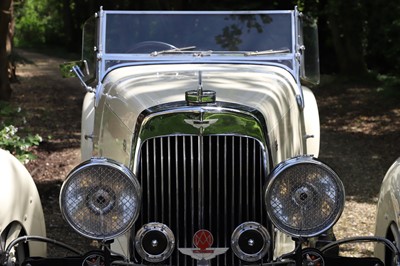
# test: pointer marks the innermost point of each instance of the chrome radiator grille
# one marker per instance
(202, 182)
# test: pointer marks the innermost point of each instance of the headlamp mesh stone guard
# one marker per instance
(304, 197)
(100, 199)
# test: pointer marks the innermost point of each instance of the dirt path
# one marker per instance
(360, 131)
(52, 106)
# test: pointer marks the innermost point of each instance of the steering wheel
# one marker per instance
(150, 46)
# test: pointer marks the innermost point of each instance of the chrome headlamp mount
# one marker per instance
(304, 197)
(100, 199)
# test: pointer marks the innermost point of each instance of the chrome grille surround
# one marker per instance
(201, 175)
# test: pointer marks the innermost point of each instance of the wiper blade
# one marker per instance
(267, 52)
(173, 50)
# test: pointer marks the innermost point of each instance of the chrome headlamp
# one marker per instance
(100, 199)
(304, 197)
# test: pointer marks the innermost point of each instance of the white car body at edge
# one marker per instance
(21, 211)
(388, 209)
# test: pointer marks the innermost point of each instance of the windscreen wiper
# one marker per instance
(267, 52)
(172, 51)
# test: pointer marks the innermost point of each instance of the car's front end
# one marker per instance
(199, 143)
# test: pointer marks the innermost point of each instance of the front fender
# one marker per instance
(87, 126)
(21, 208)
(311, 122)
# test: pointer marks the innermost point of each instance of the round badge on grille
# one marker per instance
(250, 241)
(203, 239)
(155, 242)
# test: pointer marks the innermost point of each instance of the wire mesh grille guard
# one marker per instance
(202, 182)
(305, 199)
(100, 200)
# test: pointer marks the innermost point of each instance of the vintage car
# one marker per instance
(388, 210)
(200, 142)
(21, 212)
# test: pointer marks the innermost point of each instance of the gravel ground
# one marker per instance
(359, 128)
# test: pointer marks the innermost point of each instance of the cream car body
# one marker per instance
(272, 89)
(21, 211)
(202, 112)
(388, 211)
(126, 95)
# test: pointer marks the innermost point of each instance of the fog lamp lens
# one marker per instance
(250, 241)
(304, 197)
(155, 242)
(100, 199)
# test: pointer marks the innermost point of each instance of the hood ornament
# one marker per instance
(200, 96)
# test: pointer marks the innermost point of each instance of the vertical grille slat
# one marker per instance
(162, 174)
(247, 180)
(254, 180)
(155, 192)
(210, 188)
(218, 189)
(225, 165)
(192, 184)
(202, 182)
(233, 185)
(185, 213)
(177, 194)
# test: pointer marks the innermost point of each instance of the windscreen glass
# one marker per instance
(144, 33)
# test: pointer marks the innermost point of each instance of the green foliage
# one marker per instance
(355, 36)
(9, 139)
(390, 87)
(37, 22)
(19, 147)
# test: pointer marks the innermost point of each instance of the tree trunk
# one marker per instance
(5, 48)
